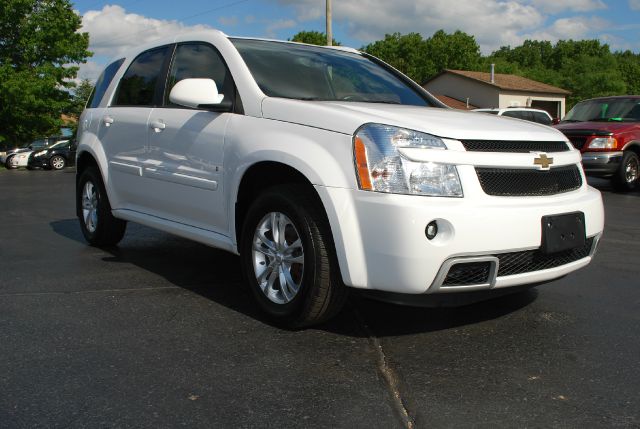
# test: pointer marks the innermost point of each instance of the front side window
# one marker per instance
(103, 83)
(138, 85)
(314, 73)
(199, 60)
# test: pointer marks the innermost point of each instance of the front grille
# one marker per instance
(472, 273)
(514, 146)
(535, 260)
(577, 141)
(520, 183)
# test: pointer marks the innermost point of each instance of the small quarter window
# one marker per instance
(103, 83)
(138, 85)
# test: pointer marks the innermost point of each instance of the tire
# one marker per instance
(626, 178)
(57, 162)
(7, 163)
(99, 227)
(313, 291)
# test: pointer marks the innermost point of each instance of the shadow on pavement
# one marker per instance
(216, 275)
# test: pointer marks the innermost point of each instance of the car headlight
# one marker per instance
(603, 143)
(42, 152)
(380, 167)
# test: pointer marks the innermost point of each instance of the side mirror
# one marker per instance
(196, 93)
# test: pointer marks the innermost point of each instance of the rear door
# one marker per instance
(186, 145)
(124, 131)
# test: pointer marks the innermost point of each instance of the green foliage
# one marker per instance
(38, 42)
(421, 58)
(313, 38)
(587, 68)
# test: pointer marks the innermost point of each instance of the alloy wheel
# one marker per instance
(90, 207)
(278, 258)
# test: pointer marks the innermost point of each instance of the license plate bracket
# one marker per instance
(563, 232)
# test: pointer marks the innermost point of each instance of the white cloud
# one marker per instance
(228, 21)
(493, 22)
(575, 28)
(280, 24)
(112, 30)
(634, 4)
(556, 6)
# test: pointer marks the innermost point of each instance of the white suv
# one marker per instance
(525, 113)
(325, 168)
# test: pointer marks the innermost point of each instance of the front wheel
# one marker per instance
(57, 162)
(288, 257)
(8, 164)
(626, 178)
(98, 225)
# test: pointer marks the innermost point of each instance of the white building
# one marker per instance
(498, 90)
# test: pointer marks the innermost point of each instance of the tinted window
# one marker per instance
(138, 85)
(103, 83)
(518, 114)
(314, 73)
(199, 60)
(605, 109)
(541, 118)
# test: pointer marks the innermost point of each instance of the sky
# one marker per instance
(115, 26)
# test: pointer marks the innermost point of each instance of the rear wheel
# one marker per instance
(288, 257)
(57, 162)
(99, 226)
(626, 178)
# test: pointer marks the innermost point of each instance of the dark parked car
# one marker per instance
(56, 157)
(33, 146)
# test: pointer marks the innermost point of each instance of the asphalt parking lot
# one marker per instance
(160, 332)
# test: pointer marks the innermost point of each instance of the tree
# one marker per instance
(79, 99)
(407, 53)
(313, 38)
(421, 58)
(457, 51)
(39, 45)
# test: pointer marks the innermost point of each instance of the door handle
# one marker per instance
(157, 126)
(107, 120)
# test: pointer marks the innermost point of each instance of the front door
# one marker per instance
(186, 145)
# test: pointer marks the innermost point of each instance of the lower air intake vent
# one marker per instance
(465, 274)
(535, 260)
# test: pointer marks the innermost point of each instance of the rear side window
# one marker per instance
(518, 114)
(541, 118)
(199, 60)
(103, 83)
(138, 85)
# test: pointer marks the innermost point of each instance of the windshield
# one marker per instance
(606, 110)
(314, 73)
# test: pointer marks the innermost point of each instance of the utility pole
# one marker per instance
(329, 35)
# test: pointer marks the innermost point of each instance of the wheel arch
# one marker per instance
(633, 146)
(258, 177)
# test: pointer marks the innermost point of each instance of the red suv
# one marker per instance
(607, 132)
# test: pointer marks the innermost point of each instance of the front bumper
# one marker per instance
(601, 163)
(38, 162)
(381, 244)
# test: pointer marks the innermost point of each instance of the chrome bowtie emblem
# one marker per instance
(543, 161)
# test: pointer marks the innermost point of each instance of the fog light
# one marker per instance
(431, 230)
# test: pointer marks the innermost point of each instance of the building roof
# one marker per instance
(509, 82)
(452, 102)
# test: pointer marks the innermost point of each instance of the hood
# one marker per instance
(595, 127)
(347, 117)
